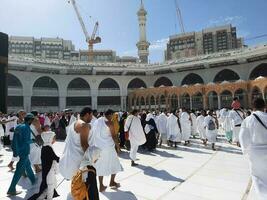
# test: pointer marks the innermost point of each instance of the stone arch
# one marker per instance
(226, 99)
(136, 83)
(13, 81)
(255, 93)
(15, 92)
(78, 93)
(241, 94)
(45, 82)
(226, 75)
(192, 79)
(185, 101)
(174, 102)
(197, 101)
(45, 94)
(162, 101)
(142, 102)
(260, 70)
(109, 83)
(109, 95)
(212, 100)
(152, 102)
(163, 81)
(79, 83)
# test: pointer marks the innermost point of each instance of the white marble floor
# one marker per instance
(186, 173)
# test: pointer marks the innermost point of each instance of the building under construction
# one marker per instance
(207, 41)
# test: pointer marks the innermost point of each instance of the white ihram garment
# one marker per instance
(162, 127)
(35, 150)
(72, 155)
(173, 130)
(136, 134)
(201, 127)
(253, 140)
(185, 126)
(211, 134)
(108, 163)
(194, 124)
(238, 119)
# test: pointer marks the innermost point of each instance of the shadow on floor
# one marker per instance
(120, 195)
(161, 174)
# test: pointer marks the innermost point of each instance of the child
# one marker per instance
(49, 168)
(91, 156)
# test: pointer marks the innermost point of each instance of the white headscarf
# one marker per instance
(148, 127)
(90, 156)
(48, 138)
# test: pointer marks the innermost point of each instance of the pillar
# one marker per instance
(94, 102)
(62, 103)
(205, 102)
(191, 103)
(219, 101)
(123, 103)
(27, 103)
(179, 103)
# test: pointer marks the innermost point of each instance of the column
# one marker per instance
(205, 102)
(94, 102)
(191, 103)
(219, 101)
(123, 103)
(62, 103)
(27, 103)
(179, 104)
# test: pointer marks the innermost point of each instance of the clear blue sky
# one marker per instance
(118, 20)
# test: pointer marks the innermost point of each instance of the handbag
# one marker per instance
(126, 133)
(37, 139)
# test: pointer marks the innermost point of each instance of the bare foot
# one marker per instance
(114, 185)
(102, 188)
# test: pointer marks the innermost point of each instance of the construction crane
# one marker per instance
(91, 40)
(181, 23)
(179, 16)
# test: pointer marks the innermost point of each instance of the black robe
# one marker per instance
(151, 140)
(91, 183)
(47, 157)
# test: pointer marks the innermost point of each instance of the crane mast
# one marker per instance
(90, 40)
(80, 20)
(181, 23)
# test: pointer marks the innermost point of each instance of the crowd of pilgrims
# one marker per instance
(95, 139)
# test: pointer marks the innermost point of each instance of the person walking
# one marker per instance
(136, 134)
(106, 139)
(253, 140)
(21, 147)
(76, 144)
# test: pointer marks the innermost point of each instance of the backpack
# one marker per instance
(79, 190)
(211, 125)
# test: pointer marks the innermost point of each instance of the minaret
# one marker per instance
(142, 45)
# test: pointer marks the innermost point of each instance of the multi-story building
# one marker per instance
(207, 41)
(57, 48)
(99, 55)
(51, 48)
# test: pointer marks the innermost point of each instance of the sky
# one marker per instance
(118, 24)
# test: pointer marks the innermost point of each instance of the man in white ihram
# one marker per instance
(161, 125)
(136, 134)
(253, 140)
